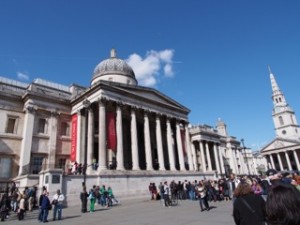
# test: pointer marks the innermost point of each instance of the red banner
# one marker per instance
(74, 138)
(182, 132)
(111, 131)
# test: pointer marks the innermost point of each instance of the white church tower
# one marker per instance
(284, 118)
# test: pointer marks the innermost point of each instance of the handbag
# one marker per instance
(252, 210)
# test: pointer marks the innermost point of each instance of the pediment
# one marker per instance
(148, 95)
(279, 143)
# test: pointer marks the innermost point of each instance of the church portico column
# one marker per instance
(179, 147)
(120, 153)
(134, 141)
(288, 160)
(170, 146)
(90, 140)
(201, 145)
(296, 159)
(188, 148)
(279, 160)
(216, 159)
(102, 136)
(27, 141)
(147, 143)
(272, 162)
(159, 144)
(208, 157)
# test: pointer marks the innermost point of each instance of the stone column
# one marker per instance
(80, 134)
(220, 150)
(26, 141)
(120, 153)
(134, 141)
(296, 159)
(216, 159)
(160, 152)
(170, 146)
(208, 157)
(232, 159)
(288, 160)
(279, 160)
(102, 137)
(272, 162)
(194, 156)
(203, 162)
(147, 142)
(179, 147)
(188, 148)
(52, 140)
(90, 140)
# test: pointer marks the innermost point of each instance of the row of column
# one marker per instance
(206, 159)
(289, 166)
(102, 159)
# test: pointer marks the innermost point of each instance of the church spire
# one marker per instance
(277, 95)
(284, 118)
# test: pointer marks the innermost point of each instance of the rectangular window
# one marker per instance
(11, 125)
(37, 163)
(5, 167)
(42, 125)
(65, 129)
(61, 163)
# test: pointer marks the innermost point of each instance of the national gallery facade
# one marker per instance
(117, 128)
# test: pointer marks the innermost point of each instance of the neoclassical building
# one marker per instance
(123, 134)
(215, 150)
(114, 126)
(284, 151)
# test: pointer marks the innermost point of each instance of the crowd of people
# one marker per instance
(271, 199)
(97, 194)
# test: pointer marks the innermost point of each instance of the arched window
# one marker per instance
(281, 120)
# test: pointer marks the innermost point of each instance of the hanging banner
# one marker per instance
(73, 138)
(182, 133)
(111, 131)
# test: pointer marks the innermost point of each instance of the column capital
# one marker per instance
(54, 113)
(102, 101)
(30, 109)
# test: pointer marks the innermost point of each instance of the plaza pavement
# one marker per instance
(139, 212)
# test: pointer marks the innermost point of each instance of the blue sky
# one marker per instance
(211, 56)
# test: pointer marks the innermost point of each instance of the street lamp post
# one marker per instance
(243, 146)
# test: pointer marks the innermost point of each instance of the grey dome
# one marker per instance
(114, 69)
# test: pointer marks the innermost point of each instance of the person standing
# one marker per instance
(232, 183)
(45, 207)
(92, 200)
(248, 208)
(21, 207)
(166, 193)
(40, 216)
(57, 202)
(282, 206)
(83, 197)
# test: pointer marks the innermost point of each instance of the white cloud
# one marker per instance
(22, 76)
(152, 67)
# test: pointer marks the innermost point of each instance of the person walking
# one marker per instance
(202, 195)
(57, 202)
